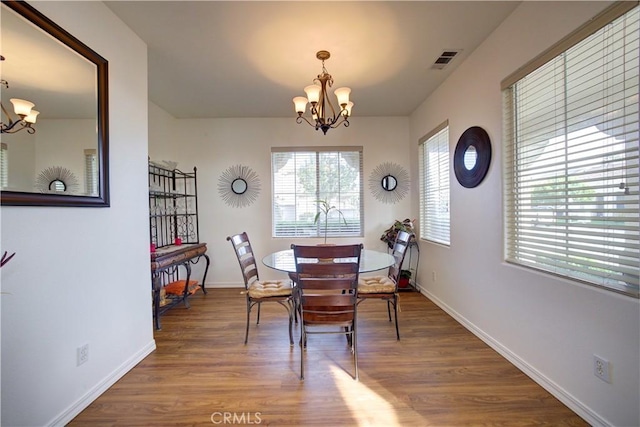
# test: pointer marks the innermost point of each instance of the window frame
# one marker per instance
(571, 247)
(304, 229)
(435, 227)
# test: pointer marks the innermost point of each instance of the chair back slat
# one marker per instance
(246, 259)
(327, 300)
(311, 267)
(398, 252)
(334, 251)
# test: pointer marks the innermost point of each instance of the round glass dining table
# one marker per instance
(370, 260)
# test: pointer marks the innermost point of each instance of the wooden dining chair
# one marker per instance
(386, 287)
(327, 293)
(258, 291)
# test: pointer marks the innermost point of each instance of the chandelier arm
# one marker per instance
(300, 118)
(337, 122)
(8, 116)
(11, 127)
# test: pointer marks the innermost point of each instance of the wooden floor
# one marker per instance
(438, 374)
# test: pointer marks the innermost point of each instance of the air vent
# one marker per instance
(445, 59)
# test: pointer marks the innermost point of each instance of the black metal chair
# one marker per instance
(386, 287)
(256, 290)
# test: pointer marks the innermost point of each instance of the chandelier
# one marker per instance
(23, 109)
(323, 113)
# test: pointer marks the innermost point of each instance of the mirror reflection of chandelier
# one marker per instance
(23, 109)
(323, 114)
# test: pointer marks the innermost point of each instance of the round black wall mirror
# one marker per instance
(239, 186)
(472, 157)
(389, 182)
(58, 186)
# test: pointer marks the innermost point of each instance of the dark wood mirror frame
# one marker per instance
(478, 138)
(18, 198)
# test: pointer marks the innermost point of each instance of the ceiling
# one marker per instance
(66, 89)
(220, 59)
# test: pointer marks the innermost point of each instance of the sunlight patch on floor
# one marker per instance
(367, 407)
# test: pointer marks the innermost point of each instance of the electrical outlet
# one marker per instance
(433, 276)
(82, 354)
(601, 368)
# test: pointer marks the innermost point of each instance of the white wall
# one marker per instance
(213, 145)
(549, 327)
(62, 143)
(81, 275)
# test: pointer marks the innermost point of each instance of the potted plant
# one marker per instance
(404, 278)
(323, 209)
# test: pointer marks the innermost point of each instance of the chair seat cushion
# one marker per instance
(269, 288)
(376, 285)
(177, 287)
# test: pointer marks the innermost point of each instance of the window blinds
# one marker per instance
(434, 186)
(91, 171)
(4, 165)
(571, 161)
(303, 176)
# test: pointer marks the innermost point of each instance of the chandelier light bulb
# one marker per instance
(313, 93)
(347, 109)
(21, 107)
(342, 94)
(31, 117)
(300, 103)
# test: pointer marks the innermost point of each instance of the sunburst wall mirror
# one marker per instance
(239, 186)
(56, 180)
(389, 182)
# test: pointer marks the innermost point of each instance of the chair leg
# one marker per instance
(395, 309)
(354, 340)
(303, 344)
(291, 304)
(258, 321)
(389, 309)
(246, 334)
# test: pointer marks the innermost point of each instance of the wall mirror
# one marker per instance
(472, 157)
(239, 186)
(389, 183)
(68, 83)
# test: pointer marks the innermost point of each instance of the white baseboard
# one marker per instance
(223, 285)
(72, 411)
(558, 392)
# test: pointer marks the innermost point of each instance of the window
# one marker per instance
(571, 156)
(91, 172)
(4, 165)
(302, 176)
(434, 185)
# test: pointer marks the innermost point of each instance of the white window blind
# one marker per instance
(302, 176)
(434, 186)
(4, 165)
(91, 172)
(571, 161)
